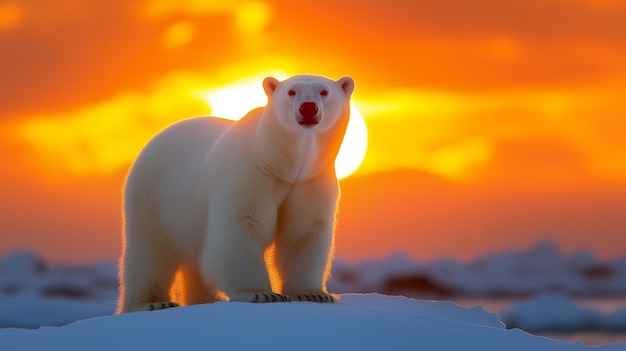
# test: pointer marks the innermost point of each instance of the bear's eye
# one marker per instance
(324, 92)
(291, 92)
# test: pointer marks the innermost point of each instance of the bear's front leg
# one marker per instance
(233, 254)
(304, 264)
(304, 244)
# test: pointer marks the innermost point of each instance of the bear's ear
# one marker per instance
(269, 85)
(347, 85)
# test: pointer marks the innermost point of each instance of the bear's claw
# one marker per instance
(155, 306)
(270, 297)
(318, 297)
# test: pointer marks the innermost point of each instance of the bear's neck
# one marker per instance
(293, 157)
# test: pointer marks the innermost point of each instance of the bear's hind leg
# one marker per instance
(146, 277)
(197, 290)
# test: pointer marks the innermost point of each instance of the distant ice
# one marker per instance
(519, 273)
(559, 313)
(33, 294)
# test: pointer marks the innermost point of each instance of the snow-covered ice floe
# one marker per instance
(359, 322)
(559, 313)
(34, 294)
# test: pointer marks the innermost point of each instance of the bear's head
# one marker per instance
(308, 102)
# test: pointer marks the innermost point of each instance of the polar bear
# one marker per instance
(229, 204)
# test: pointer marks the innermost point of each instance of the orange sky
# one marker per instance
(492, 124)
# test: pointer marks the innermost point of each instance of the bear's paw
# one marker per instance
(270, 297)
(155, 306)
(258, 297)
(315, 297)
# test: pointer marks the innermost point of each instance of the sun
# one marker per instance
(354, 146)
(233, 101)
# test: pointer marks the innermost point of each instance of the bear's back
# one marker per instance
(165, 181)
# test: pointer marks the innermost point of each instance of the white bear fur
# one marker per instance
(211, 197)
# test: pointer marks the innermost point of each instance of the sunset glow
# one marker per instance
(478, 123)
(235, 100)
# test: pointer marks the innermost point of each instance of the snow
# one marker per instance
(31, 311)
(361, 322)
(545, 284)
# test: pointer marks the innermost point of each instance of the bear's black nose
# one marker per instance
(308, 111)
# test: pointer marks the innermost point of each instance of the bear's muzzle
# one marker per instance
(308, 114)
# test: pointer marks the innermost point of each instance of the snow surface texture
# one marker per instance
(359, 322)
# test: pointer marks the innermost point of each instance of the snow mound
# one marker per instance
(559, 313)
(359, 322)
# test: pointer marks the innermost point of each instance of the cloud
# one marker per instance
(456, 135)
(82, 51)
(104, 137)
(449, 73)
(107, 136)
(79, 52)
(10, 16)
(460, 45)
